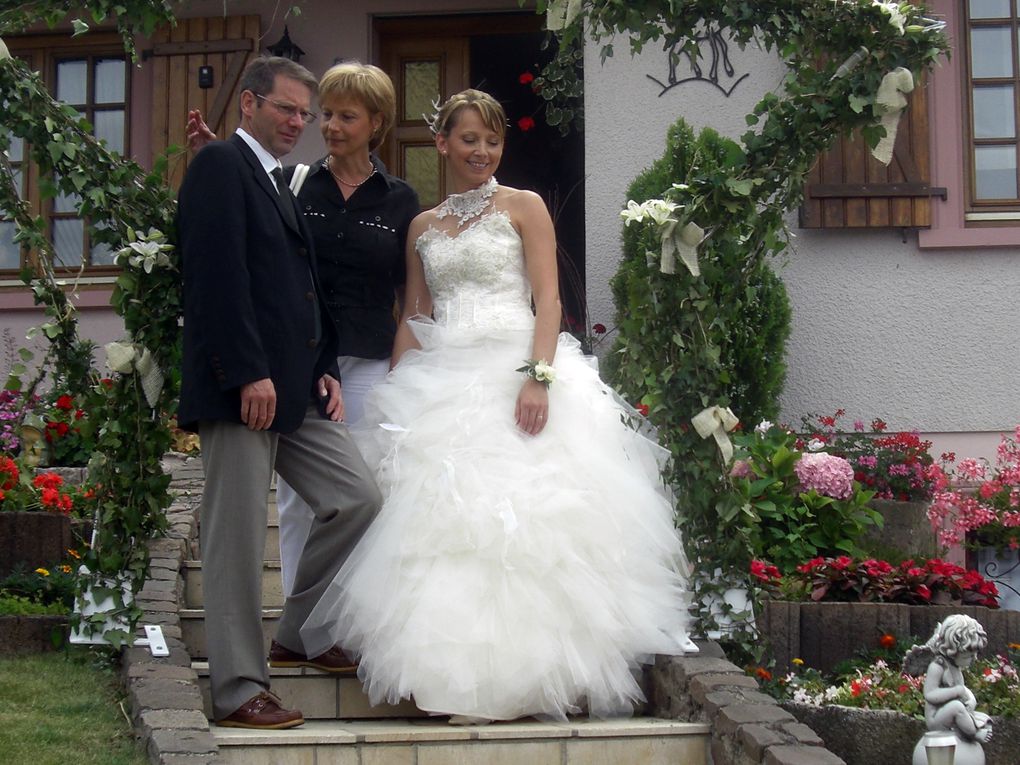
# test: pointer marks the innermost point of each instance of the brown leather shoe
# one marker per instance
(265, 712)
(333, 660)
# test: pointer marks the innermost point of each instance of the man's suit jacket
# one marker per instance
(252, 303)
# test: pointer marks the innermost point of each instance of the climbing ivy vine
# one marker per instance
(127, 208)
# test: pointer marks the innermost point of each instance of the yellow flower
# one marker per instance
(66, 569)
(74, 554)
(42, 572)
(1014, 646)
(797, 662)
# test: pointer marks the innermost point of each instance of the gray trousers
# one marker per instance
(319, 460)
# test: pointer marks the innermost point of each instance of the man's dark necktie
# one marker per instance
(286, 198)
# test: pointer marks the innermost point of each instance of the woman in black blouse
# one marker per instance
(358, 215)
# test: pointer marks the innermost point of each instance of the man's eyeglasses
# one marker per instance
(289, 109)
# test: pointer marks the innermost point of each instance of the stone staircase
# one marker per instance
(343, 728)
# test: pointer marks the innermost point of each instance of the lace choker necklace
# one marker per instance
(468, 204)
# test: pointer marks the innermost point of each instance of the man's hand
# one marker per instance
(258, 404)
(329, 389)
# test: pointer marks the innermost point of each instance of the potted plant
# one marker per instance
(35, 516)
(897, 466)
(980, 508)
(794, 502)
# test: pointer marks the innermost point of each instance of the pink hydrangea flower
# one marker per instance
(828, 475)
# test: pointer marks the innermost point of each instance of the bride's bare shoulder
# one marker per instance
(422, 221)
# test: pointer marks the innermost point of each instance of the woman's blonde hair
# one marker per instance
(365, 83)
(488, 108)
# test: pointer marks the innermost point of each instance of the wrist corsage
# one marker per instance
(539, 371)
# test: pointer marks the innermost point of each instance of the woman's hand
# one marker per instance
(197, 132)
(532, 410)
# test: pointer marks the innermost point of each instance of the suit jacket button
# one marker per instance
(310, 296)
(312, 343)
(302, 252)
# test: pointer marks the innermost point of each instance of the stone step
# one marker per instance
(319, 695)
(271, 551)
(433, 741)
(193, 629)
(272, 584)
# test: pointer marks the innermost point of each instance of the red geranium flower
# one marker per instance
(643, 408)
(887, 641)
(525, 123)
(598, 329)
(525, 78)
(65, 402)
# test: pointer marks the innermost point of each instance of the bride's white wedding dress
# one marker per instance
(506, 575)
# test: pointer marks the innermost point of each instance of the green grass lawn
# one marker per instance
(63, 709)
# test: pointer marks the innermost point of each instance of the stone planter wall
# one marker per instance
(870, 736)
(31, 634)
(33, 539)
(906, 531)
(824, 634)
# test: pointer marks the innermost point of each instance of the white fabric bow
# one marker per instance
(889, 105)
(126, 358)
(717, 421)
(561, 13)
(683, 243)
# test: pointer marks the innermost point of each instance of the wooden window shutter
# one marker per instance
(227, 43)
(848, 188)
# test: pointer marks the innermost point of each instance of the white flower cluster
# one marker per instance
(544, 372)
(676, 241)
(892, 10)
(145, 252)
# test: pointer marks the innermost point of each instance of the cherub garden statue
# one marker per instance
(949, 706)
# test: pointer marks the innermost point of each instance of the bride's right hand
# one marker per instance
(197, 131)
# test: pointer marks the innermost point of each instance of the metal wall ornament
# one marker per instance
(719, 56)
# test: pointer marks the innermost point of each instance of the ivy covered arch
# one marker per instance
(702, 317)
(838, 53)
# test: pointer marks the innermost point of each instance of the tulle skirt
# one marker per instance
(506, 575)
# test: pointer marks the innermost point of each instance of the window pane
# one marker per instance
(65, 203)
(110, 127)
(68, 240)
(421, 88)
(991, 52)
(102, 255)
(994, 113)
(9, 255)
(71, 81)
(109, 81)
(421, 170)
(996, 172)
(16, 151)
(989, 9)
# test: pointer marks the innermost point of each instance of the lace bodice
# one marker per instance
(477, 276)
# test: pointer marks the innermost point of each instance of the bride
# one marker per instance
(525, 559)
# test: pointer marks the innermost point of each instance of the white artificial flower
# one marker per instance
(802, 697)
(634, 212)
(660, 210)
(814, 445)
(763, 427)
(831, 692)
(892, 10)
(544, 372)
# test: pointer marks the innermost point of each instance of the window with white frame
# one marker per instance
(993, 87)
(93, 78)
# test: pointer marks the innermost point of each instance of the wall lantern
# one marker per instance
(286, 48)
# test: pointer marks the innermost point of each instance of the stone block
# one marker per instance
(172, 719)
(717, 700)
(730, 718)
(704, 684)
(160, 672)
(189, 742)
(755, 739)
(803, 734)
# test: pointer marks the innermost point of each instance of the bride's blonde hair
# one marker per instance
(488, 108)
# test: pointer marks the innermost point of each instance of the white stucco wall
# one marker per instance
(925, 340)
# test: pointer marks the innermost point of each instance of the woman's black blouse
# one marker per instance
(359, 248)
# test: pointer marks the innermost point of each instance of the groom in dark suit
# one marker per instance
(259, 384)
